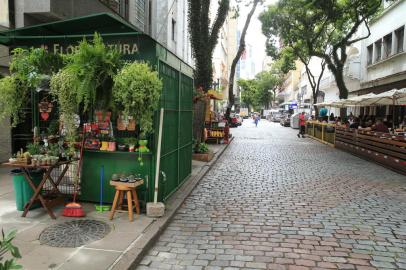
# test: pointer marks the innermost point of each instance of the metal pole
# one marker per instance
(158, 155)
(393, 114)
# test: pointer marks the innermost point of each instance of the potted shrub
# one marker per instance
(137, 89)
(202, 152)
(131, 142)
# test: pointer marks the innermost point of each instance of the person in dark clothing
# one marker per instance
(355, 123)
(380, 127)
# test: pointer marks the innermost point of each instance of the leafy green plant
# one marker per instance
(130, 141)
(7, 247)
(34, 148)
(12, 99)
(137, 89)
(28, 68)
(201, 148)
(53, 149)
(90, 70)
(53, 127)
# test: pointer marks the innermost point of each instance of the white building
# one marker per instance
(383, 54)
(224, 52)
(169, 27)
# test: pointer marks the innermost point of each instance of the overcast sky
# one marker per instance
(254, 35)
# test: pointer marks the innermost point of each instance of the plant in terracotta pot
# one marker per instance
(131, 142)
(137, 89)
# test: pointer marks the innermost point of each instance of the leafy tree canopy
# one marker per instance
(322, 28)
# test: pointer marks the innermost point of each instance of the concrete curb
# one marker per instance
(136, 251)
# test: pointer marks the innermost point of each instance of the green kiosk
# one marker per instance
(176, 99)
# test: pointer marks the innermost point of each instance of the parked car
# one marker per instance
(276, 117)
(285, 120)
(234, 120)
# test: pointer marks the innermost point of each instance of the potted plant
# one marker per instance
(202, 152)
(137, 89)
(131, 142)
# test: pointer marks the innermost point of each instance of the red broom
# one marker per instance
(75, 209)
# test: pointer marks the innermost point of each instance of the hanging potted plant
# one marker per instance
(137, 89)
(28, 68)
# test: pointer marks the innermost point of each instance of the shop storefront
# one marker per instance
(176, 99)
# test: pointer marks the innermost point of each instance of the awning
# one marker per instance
(392, 97)
(102, 23)
(215, 95)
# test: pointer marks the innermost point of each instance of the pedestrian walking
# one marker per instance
(302, 125)
(256, 120)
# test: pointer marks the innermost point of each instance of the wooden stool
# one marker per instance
(128, 189)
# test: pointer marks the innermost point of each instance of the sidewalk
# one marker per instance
(126, 241)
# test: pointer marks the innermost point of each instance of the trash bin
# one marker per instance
(22, 189)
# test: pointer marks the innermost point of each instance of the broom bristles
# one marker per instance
(73, 212)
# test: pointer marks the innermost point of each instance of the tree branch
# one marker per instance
(240, 50)
(221, 16)
(361, 38)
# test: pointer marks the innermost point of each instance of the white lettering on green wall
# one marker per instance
(123, 48)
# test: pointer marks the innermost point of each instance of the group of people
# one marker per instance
(362, 122)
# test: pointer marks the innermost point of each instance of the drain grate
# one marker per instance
(74, 233)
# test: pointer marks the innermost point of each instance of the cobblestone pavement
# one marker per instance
(274, 201)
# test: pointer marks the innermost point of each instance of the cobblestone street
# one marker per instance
(274, 201)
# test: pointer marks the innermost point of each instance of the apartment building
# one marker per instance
(383, 54)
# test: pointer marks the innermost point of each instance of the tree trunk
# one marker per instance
(316, 109)
(240, 50)
(339, 77)
(199, 110)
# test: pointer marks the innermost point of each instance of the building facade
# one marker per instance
(224, 54)
(383, 53)
(168, 24)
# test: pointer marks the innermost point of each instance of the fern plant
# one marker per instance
(93, 65)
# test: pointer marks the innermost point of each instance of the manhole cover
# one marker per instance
(74, 233)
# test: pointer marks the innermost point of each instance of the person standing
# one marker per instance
(256, 120)
(302, 125)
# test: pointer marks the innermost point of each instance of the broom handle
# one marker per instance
(79, 167)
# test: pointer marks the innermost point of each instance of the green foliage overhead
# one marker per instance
(260, 91)
(322, 28)
(6, 246)
(249, 92)
(137, 89)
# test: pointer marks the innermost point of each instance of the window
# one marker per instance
(370, 50)
(387, 45)
(378, 50)
(173, 30)
(400, 35)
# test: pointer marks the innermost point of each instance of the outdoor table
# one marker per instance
(53, 197)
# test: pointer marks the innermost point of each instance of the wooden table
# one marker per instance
(53, 197)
